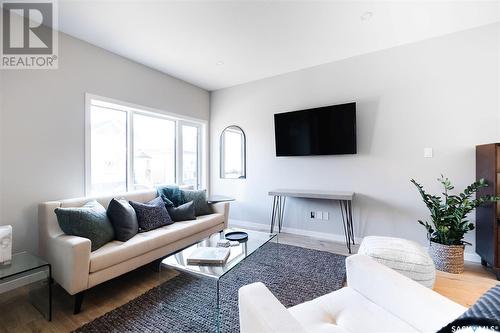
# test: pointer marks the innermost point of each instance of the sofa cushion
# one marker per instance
(348, 310)
(152, 214)
(184, 212)
(140, 196)
(123, 218)
(89, 221)
(199, 197)
(116, 252)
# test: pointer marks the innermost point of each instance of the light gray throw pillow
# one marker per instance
(200, 201)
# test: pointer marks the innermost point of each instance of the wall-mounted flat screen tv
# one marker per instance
(328, 130)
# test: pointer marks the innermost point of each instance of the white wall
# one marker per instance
(42, 124)
(441, 93)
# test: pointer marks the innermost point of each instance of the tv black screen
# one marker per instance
(329, 130)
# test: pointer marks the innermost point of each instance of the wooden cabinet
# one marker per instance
(488, 216)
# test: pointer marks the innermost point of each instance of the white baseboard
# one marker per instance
(294, 231)
(247, 224)
(320, 235)
(468, 256)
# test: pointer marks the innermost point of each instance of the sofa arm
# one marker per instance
(69, 257)
(222, 208)
(420, 307)
(261, 312)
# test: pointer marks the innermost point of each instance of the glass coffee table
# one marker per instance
(178, 260)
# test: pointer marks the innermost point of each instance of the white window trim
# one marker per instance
(179, 161)
(179, 119)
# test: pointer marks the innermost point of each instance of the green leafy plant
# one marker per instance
(448, 213)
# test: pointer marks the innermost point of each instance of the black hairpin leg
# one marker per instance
(345, 224)
(273, 215)
(278, 212)
(351, 227)
(282, 212)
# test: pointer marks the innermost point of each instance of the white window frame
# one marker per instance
(132, 109)
(179, 161)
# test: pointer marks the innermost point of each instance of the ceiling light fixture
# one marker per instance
(366, 16)
(219, 63)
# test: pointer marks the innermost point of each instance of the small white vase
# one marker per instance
(5, 244)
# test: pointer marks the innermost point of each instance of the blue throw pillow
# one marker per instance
(485, 313)
(487, 306)
(89, 221)
(171, 195)
(151, 215)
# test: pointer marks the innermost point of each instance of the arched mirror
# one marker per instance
(233, 153)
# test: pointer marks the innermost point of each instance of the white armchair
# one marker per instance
(376, 299)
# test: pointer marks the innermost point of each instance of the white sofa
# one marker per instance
(376, 299)
(77, 269)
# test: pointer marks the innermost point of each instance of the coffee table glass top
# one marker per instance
(256, 239)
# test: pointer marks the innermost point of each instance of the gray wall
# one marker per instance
(441, 93)
(42, 124)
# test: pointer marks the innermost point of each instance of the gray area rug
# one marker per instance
(187, 303)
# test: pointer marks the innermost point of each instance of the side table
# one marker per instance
(26, 269)
(213, 199)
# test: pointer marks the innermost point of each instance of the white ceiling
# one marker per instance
(258, 39)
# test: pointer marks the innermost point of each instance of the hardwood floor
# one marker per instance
(18, 315)
(467, 287)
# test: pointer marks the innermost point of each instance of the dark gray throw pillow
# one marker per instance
(123, 218)
(184, 212)
(151, 215)
(200, 201)
(89, 221)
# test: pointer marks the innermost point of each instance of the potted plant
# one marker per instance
(449, 224)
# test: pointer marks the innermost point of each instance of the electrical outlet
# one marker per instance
(319, 215)
(326, 215)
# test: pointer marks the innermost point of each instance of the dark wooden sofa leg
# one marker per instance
(78, 302)
(155, 265)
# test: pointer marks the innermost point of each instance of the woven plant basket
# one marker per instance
(448, 258)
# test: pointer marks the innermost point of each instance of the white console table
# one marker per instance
(344, 199)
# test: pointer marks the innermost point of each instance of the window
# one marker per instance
(132, 148)
(108, 150)
(190, 153)
(154, 151)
